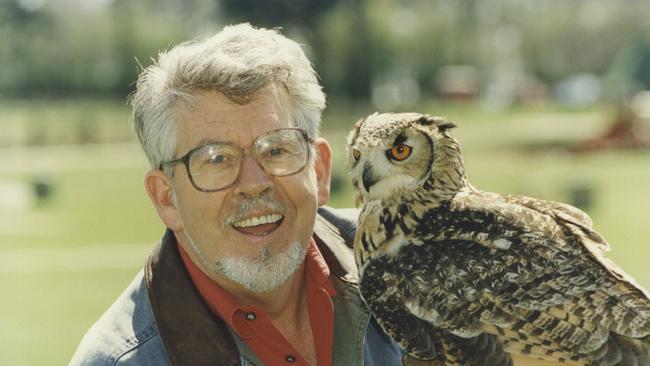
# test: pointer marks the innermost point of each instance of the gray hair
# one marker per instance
(237, 62)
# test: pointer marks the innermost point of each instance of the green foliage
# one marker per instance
(272, 13)
(89, 48)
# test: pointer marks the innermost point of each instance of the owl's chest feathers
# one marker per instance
(385, 228)
(441, 282)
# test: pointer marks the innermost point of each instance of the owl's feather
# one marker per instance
(445, 266)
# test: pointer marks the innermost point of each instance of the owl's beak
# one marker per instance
(368, 177)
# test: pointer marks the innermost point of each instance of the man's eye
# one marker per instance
(216, 159)
(275, 151)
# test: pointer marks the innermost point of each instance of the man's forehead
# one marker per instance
(212, 117)
(207, 100)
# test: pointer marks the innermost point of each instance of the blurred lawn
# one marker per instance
(66, 259)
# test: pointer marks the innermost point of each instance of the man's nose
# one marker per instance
(253, 180)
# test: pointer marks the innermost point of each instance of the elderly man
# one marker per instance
(250, 270)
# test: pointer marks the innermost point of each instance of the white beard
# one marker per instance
(266, 273)
(263, 274)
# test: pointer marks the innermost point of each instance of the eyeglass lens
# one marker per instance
(279, 153)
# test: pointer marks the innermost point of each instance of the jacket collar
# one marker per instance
(191, 334)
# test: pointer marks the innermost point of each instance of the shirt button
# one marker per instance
(250, 316)
(290, 359)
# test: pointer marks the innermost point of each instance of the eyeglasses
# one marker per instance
(217, 166)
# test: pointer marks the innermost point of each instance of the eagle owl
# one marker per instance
(459, 276)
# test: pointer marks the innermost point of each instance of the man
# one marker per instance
(250, 270)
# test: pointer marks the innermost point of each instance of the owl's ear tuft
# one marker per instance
(445, 125)
(442, 124)
(426, 120)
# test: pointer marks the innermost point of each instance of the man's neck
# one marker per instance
(280, 304)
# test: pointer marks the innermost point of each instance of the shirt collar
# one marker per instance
(218, 299)
(317, 269)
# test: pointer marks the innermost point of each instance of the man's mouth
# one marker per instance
(259, 225)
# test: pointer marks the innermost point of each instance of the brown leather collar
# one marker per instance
(190, 332)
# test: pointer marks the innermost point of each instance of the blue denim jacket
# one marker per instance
(161, 320)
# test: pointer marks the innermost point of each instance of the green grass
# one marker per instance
(99, 202)
(44, 315)
(97, 197)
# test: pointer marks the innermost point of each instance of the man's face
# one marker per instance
(219, 227)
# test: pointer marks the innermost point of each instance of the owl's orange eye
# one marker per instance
(400, 152)
(356, 154)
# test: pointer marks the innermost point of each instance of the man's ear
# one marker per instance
(161, 195)
(323, 166)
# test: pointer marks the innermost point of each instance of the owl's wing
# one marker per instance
(577, 222)
(486, 261)
(561, 212)
(554, 224)
(557, 259)
(551, 208)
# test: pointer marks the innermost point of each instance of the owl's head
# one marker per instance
(393, 154)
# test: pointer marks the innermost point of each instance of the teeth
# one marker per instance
(259, 220)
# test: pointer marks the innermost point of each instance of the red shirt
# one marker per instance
(254, 327)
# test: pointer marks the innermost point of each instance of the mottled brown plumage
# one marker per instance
(463, 277)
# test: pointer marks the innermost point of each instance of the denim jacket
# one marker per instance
(160, 319)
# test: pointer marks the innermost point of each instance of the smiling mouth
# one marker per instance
(259, 225)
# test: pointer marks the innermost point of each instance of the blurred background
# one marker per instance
(550, 97)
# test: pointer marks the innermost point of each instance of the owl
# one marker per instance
(459, 276)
